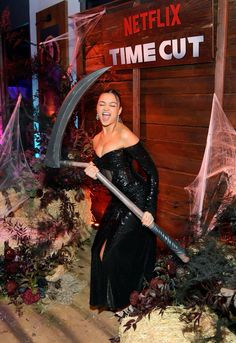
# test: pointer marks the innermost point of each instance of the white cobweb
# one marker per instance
(215, 185)
(16, 177)
(83, 23)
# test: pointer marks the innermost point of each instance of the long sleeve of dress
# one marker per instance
(138, 153)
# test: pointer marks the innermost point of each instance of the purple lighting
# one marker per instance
(14, 91)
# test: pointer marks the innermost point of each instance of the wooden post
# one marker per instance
(221, 45)
(136, 101)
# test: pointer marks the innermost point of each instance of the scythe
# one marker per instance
(53, 155)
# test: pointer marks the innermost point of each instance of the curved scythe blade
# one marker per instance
(52, 158)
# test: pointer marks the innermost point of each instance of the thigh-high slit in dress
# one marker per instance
(129, 253)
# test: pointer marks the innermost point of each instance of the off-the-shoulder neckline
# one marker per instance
(115, 150)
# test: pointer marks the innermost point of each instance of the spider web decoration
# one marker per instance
(215, 185)
(16, 177)
(83, 23)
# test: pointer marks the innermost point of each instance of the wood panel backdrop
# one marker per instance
(175, 100)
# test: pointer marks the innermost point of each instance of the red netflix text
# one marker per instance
(156, 18)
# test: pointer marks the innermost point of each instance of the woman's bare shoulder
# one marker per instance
(128, 137)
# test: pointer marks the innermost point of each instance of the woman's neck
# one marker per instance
(107, 130)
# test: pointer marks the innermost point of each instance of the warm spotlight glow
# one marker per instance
(94, 223)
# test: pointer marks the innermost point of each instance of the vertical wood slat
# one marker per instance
(136, 101)
(221, 45)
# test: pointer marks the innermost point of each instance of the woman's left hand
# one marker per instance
(147, 219)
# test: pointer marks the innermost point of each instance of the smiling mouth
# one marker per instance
(106, 115)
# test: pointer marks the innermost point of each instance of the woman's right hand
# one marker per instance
(91, 171)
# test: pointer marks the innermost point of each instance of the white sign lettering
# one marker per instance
(167, 50)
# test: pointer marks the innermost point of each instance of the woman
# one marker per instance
(124, 251)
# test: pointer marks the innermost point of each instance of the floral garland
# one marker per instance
(23, 271)
(207, 281)
(24, 268)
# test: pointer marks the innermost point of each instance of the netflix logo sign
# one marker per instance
(151, 19)
(159, 33)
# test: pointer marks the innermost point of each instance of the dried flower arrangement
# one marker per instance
(58, 206)
(206, 283)
(23, 271)
(60, 196)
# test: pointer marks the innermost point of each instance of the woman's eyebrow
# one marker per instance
(111, 103)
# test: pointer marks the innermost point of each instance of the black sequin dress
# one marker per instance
(130, 250)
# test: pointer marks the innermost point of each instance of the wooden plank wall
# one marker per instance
(176, 104)
(230, 73)
(175, 112)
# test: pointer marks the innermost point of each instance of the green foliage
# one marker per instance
(23, 271)
(197, 285)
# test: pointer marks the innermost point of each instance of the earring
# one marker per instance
(97, 117)
(118, 118)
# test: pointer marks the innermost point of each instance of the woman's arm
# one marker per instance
(138, 153)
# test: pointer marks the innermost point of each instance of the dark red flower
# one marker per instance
(134, 298)
(29, 297)
(12, 267)
(156, 283)
(145, 291)
(11, 286)
(9, 253)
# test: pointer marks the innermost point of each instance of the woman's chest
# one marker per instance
(106, 144)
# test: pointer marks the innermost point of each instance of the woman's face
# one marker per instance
(108, 108)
